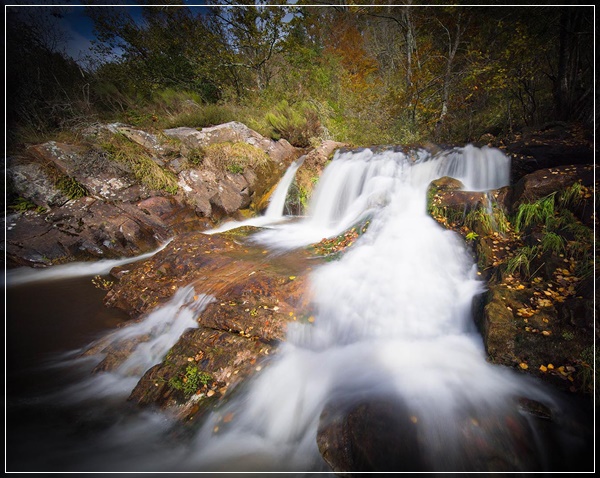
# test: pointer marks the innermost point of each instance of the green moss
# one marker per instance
(190, 381)
(71, 188)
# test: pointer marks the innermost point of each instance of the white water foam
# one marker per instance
(156, 333)
(393, 315)
(27, 275)
(358, 183)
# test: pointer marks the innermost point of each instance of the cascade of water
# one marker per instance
(274, 212)
(357, 183)
(277, 200)
(392, 318)
(392, 315)
(156, 334)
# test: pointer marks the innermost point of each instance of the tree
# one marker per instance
(45, 87)
(573, 81)
(253, 35)
(161, 47)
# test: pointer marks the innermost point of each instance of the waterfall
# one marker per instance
(274, 212)
(393, 317)
(356, 184)
(277, 200)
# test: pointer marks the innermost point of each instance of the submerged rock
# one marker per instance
(382, 434)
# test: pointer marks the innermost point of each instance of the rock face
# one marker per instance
(233, 132)
(537, 314)
(80, 202)
(255, 298)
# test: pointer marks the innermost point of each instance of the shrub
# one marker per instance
(297, 124)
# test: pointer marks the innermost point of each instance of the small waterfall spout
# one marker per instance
(274, 212)
(277, 201)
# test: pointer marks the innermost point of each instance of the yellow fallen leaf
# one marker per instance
(523, 365)
(543, 368)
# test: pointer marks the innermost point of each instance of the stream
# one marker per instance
(393, 319)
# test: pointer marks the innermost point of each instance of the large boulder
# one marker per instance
(543, 182)
(80, 202)
(100, 176)
(379, 434)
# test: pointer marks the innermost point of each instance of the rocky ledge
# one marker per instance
(119, 192)
(533, 243)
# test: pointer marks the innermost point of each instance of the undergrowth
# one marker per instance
(235, 157)
(135, 159)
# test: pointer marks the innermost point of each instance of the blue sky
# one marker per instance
(78, 28)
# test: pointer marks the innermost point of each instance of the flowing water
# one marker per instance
(274, 213)
(393, 318)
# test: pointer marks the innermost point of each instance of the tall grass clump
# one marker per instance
(532, 214)
(522, 260)
(297, 123)
(235, 157)
(138, 162)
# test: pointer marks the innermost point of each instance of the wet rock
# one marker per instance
(374, 436)
(382, 434)
(498, 327)
(255, 298)
(88, 228)
(226, 357)
(447, 202)
(541, 183)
